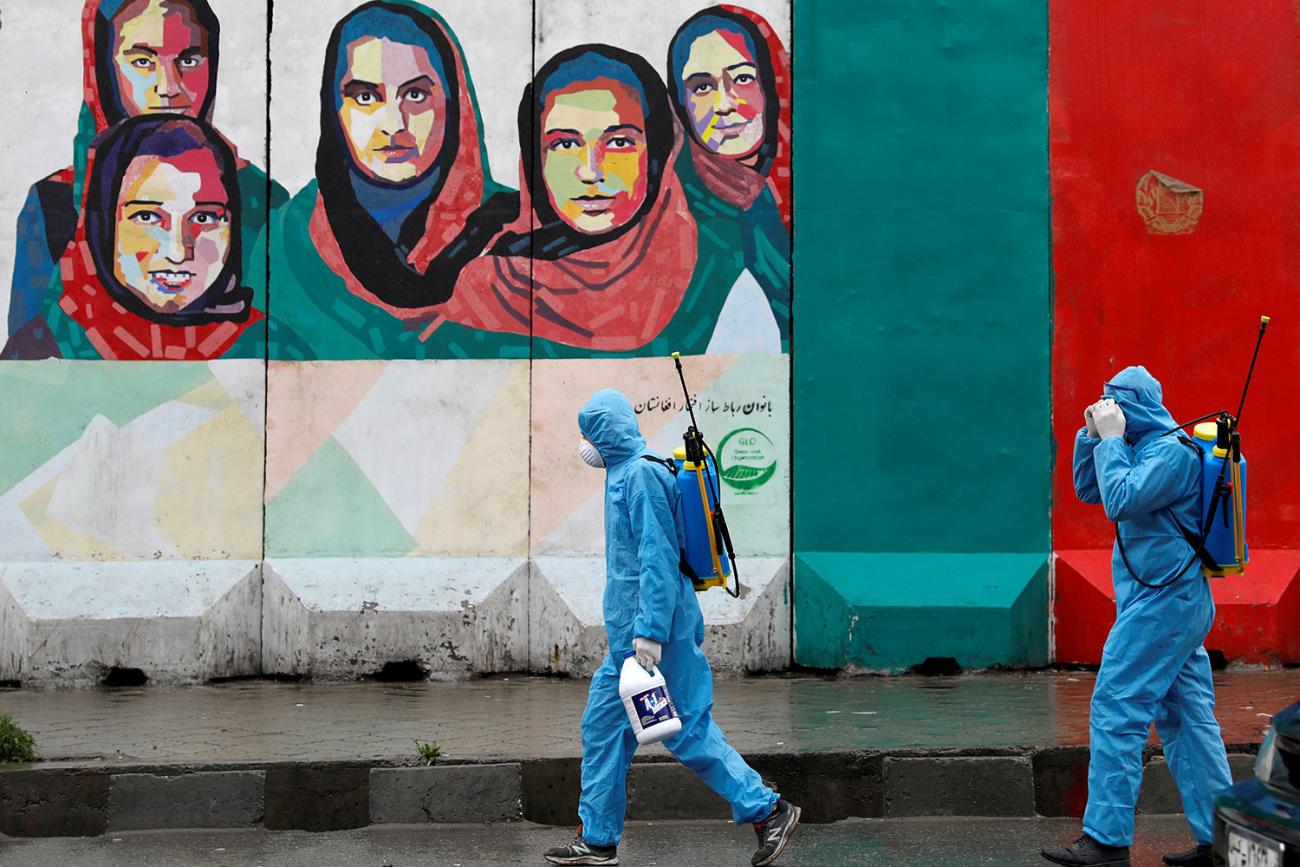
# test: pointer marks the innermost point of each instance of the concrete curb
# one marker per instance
(959, 786)
(448, 794)
(69, 801)
(213, 799)
(1159, 793)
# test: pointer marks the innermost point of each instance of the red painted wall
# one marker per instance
(1207, 92)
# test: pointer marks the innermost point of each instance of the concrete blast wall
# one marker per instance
(292, 375)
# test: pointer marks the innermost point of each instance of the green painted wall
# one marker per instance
(887, 612)
(922, 290)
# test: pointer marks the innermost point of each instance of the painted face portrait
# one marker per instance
(730, 79)
(724, 95)
(604, 247)
(160, 58)
(173, 229)
(594, 154)
(161, 221)
(393, 109)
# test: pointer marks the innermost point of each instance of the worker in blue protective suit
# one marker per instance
(650, 608)
(1153, 666)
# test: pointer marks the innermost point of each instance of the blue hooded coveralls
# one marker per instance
(1153, 666)
(646, 596)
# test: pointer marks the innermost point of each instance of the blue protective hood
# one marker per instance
(608, 420)
(1139, 395)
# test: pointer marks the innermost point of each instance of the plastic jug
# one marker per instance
(645, 698)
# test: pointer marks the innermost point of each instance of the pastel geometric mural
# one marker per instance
(397, 459)
(147, 463)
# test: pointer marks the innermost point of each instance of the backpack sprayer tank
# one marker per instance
(705, 550)
(1224, 492)
(709, 558)
(1221, 544)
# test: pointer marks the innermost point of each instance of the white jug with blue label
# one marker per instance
(645, 698)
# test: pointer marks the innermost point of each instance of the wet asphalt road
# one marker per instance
(897, 842)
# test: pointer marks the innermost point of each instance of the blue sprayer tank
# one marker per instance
(704, 550)
(1221, 532)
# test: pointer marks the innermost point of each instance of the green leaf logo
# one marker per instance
(747, 459)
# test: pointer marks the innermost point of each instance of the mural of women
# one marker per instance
(140, 57)
(730, 78)
(401, 197)
(601, 253)
(153, 272)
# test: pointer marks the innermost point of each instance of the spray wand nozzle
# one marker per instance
(693, 439)
(1227, 437)
(1228, 423)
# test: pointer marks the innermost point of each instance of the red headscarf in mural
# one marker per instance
(141, 303)
(605, 268)
(738, 179)
(103, 104)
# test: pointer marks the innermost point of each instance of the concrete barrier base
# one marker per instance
(348, 618)
(69, 624)
(567, 629)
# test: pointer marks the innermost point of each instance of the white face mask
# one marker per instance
(590, 455)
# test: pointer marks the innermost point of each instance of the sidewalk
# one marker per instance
(988, 744)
